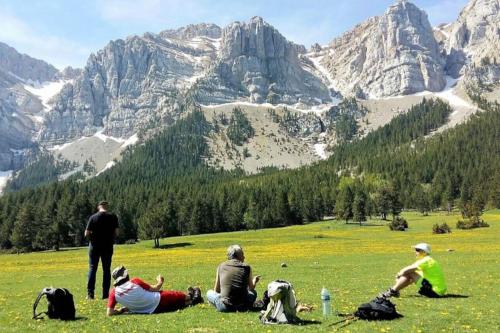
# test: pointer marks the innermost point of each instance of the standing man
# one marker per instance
(234, 288)
(101, 231)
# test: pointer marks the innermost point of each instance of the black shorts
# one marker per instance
(426, 290)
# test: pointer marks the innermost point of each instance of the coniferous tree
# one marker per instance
(24, 231)
(344, 203)
(152, 226)
(359, 206)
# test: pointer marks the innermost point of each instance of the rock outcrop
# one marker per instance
(393, 54)
(132, 84)
(17, 105)
(474, 39)
(257, 64)
(23, 67)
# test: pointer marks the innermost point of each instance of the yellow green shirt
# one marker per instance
(430, 270)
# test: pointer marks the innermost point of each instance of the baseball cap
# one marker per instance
(423, 246)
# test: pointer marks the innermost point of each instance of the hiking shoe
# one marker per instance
(389, 293)
(195, 295)
(258, 305)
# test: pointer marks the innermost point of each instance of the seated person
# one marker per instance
(426, 273)
(137, 296)
(234, 288)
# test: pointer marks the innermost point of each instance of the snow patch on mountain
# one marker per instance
(45, 91)
(130, 141)
(100, 135)
(319, 148)
(4, 177)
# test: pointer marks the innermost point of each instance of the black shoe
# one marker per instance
(195, 295)
(90, 296)
(389, 293)
(191, 292)
(258, 305)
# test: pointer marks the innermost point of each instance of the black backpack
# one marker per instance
(378, 309)
(60, 304)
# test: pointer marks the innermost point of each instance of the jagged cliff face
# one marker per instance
(144, 82)
(474, 40)
(24, 67)
(132, 84)
(17, 105)
(394, 54)
(257, 64)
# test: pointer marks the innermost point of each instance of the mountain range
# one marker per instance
(135, 86)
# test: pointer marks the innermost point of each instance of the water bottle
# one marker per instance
(325, 300)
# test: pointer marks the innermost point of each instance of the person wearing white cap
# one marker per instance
(137, 296)
(426, 273)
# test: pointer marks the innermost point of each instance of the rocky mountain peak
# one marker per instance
(24, 67)
(258, 64)
(389, 55)
(475, 36)
(209, 30)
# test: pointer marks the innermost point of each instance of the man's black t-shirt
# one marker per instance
(103, 226)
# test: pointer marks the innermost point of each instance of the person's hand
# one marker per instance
(122, 310)
(256, 279)
(160, 279)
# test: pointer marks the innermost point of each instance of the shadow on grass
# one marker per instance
(367, 224)
(445, 296)
(173, 246)
(304, 322)
(77, 318)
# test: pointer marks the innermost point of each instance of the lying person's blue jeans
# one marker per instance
(216, 300)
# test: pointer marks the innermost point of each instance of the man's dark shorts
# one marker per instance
(426, 290)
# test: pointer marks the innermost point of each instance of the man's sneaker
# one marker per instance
(195, 295)
(90, 296)
(389, 293)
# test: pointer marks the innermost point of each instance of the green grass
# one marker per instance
(354, 262)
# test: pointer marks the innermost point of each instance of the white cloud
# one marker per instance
(55, 50)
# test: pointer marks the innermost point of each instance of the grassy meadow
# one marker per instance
(355, 263)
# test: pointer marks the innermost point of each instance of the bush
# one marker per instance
(130, 241)
(472, 224)
(398, 224)
(441, 229)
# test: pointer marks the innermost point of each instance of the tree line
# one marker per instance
(163, 188)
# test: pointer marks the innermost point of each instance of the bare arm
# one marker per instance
(87, 233)
(406, 270)
(252, 281)
(117, 232)
(159, 283)
(217, 281)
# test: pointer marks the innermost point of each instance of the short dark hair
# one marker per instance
(103, 203)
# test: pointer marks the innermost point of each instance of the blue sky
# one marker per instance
(65, 32)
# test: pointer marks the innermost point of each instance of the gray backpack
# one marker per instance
(282, 304)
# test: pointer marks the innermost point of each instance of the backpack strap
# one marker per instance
(45, 291)
(39, 315)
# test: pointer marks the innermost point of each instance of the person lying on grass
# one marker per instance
(234, 288)
(136, 296)
(426, 273)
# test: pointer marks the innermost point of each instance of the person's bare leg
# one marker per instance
(405, 280)
(401, 282)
